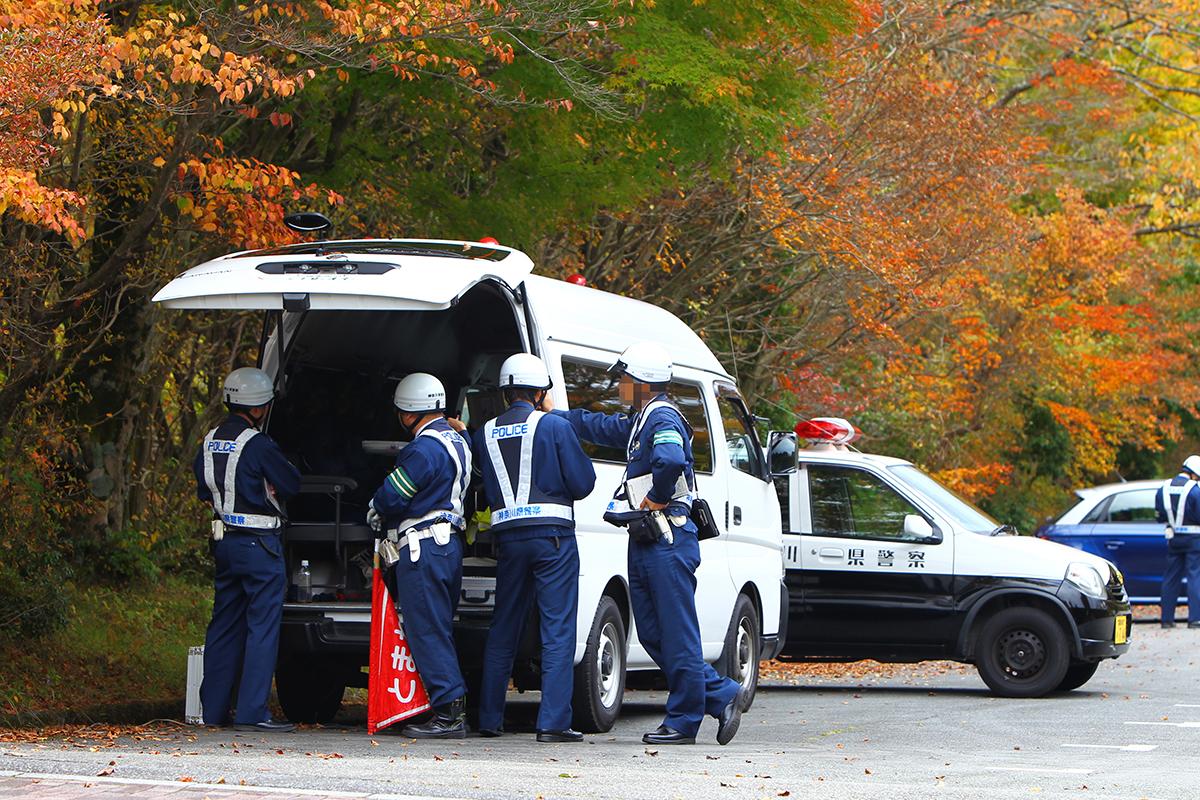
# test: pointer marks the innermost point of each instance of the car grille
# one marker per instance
(1116, 587)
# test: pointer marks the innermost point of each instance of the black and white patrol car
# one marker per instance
(885, 563)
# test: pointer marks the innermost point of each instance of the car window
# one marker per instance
(854, 503)
(741, 441)
(1135, 506)
(589, 386)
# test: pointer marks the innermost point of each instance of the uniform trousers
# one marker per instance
(662, 589)
(428, 592)
(243, 636)
(544, 569)
(1183, 559)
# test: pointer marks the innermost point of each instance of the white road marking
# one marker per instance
(1187, 705)
(1132, 748)
(218, 787)
(1043, 770)
(1189, 724)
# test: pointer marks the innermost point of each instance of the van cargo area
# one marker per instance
(335, 420)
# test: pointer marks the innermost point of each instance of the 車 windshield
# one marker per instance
(962, 513)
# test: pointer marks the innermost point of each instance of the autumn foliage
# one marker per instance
(970, 227)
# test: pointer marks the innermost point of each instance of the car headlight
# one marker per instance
(1086, 578)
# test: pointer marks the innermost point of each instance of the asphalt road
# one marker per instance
(913, 732)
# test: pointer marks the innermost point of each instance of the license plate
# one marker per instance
(1121, 635)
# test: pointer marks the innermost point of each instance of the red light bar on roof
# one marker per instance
(833, 430)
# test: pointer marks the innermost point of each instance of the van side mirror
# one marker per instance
(918, 529)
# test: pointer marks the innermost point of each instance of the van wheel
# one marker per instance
(309, 691)
(743, 644)
(600, 676)
(1079, 673)
(1022, 652)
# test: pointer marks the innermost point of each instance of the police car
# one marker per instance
(883, 562)
(343, 321)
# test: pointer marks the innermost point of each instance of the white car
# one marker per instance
(343, 321)
(884, 562)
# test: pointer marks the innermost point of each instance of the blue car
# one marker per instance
(1117, 522)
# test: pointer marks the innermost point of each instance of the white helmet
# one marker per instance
(1192, 464)
(249, 387)
(524, 371)
(419, 393)
(645, 362)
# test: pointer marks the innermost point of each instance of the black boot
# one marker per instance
(449, 721)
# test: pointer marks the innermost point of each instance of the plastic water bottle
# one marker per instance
(304, 583)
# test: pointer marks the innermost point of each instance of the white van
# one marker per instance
(345, 320)
(884, 562)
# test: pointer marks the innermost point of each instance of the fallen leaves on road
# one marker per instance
(794, 672)
(96, 736)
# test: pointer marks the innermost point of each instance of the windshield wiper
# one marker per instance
(1003, 530)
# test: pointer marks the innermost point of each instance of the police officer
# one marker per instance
(662, 580)
(245, 477)
(533, 469)
(1178, 505)
(420, 508)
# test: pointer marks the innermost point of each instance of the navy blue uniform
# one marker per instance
(1183, 549)
(662, 575)
(542, 470)
(250, 580)
(424, 491)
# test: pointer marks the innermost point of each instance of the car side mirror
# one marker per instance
(918, 529)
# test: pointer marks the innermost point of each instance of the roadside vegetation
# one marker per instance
(970, 227)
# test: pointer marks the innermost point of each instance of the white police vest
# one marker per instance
(1174, 502)
(515, 490)
(224, 488)
(462, 474)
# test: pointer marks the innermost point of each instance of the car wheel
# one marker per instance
(600, 676)
(1079, 673)
(309, 690)
(743, 644)
(1022, 652)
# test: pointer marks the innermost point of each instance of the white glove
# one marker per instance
(374, 519)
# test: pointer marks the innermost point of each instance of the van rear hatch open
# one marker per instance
(381, 275)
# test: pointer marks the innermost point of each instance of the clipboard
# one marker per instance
(637, 488)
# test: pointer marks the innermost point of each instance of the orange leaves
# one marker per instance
(243, 200)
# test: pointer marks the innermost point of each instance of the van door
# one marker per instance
(750, 513)
(865, 583)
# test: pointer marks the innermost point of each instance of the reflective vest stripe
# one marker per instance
(460, 456)
(225, 494)
(1174, 503)
(532, 511)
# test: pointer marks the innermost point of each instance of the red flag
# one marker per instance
(395, 691)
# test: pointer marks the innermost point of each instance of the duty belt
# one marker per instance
(533, 511)
(411, 538)
(253, 521)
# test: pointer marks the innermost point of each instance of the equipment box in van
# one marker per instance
(883, 562)
(344, 321)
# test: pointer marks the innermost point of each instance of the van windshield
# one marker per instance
(959, 510)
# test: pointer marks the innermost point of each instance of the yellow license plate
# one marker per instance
(1121, 635)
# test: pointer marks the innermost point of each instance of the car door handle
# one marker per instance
(737, 515)
(832, 552)
(1111, 545)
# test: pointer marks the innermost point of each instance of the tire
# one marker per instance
(1079, 673)
(1022, 652)
(743, 644)
(309, 690)
(600, 676)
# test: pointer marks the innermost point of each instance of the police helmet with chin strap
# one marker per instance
(248, 387)
(524, 371)
(645, 362)
(420, 393)
(1192, 464)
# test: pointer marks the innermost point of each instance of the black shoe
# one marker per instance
(491, 733)
(266, 726)
(1168, 624)
(665, 735)
(449, 721)
(1194, 624)
(560, 736)
(731, 717)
